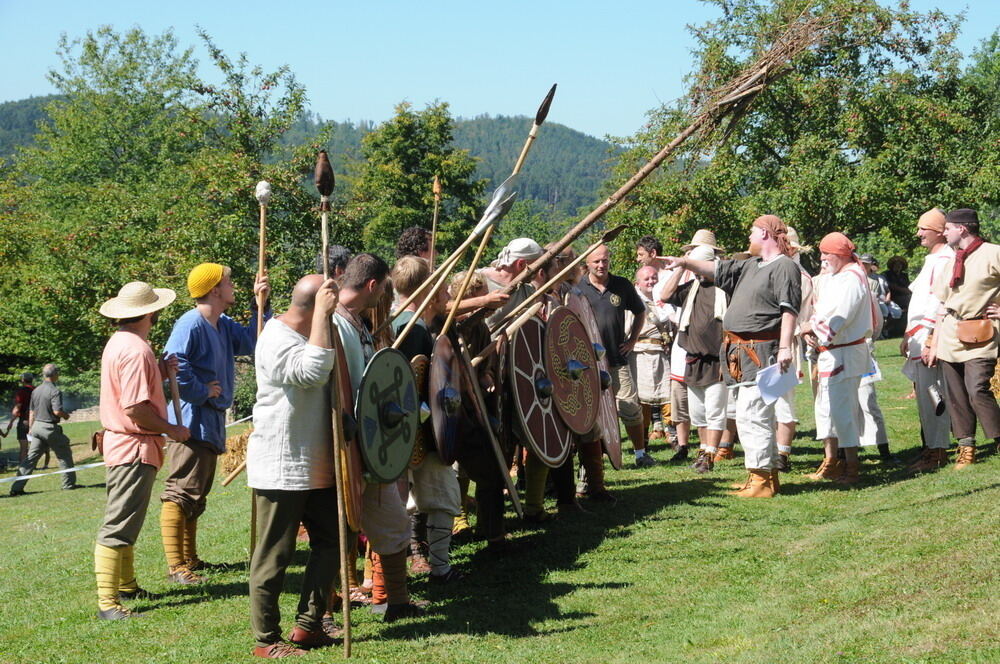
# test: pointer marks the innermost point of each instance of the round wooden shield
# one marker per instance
(571, 365)
(445, 391)
(420, 365)
(531, 396)
(388, 413)
(351, 466)
(607, 412)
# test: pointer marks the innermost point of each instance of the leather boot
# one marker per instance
(966, 456)
(850, 472)
(724, 454)
(761, 485)
(930, 459)
(830, 469)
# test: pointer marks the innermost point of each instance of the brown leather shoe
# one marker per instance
(419, 565)
(930, 459)
(309, 640)
(966, 456)
(738, 486)
(182, 575)
(703, 464)
(761, 485)
(850, 472)
(724, 454)
(830, 469)
(277, 650)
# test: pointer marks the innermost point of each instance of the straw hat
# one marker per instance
(137, 298)
(793, 241)
(703, 238)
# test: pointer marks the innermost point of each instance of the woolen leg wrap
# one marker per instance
(439, 525)
(107, 568)
(126, 575)
(172, 522)
(536, 473)
(593, 464)
(394, 575)
(190, 538)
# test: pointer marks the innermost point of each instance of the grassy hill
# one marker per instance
(903, 569)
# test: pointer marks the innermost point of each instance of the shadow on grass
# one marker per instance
(508, 595)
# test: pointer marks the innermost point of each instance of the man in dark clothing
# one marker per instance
(765, 296)
(22, 405)
(610, 295)
(45, 431)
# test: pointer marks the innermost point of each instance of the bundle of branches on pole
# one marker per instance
(721, 107)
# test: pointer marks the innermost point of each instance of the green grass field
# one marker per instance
(904, 569)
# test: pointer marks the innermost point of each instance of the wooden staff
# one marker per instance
(175, 394)
(263, 194)
(324, 183)
(434, 220)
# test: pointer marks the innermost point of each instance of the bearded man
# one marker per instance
(765, 295)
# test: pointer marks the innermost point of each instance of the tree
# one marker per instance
(142, 172)
(392, 186)
(851, 139)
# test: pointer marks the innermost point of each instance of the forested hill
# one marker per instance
(564, 171)
(19, 122)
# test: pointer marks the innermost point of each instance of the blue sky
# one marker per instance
(613, 61)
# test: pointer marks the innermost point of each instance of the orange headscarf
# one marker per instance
(776, 227)
(838, 244)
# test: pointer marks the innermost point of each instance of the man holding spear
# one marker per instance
(290, 467)
(206, 342)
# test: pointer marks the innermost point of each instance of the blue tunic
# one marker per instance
(205, 354)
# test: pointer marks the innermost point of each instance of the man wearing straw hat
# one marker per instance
(674, 278)
(963, 341)
(765, 296)
(206, 342)
(699, 333)
(922, 315)
(134, 417)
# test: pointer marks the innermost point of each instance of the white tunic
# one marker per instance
(843, 314)
(290, 448)
(924, 304)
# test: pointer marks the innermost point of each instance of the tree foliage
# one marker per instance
(392, 185)
(866, 131)
(141, 172)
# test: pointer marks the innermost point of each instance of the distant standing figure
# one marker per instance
(44, 431)
(22, 404)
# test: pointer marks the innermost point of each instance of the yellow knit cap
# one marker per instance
(204, 278)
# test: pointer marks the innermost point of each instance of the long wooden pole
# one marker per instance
(263, 194)
(436, 188)
(325, 184)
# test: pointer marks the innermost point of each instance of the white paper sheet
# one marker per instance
(773, 384)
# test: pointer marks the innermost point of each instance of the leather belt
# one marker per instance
(832, 346)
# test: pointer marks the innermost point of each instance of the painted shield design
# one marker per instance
(531, 395)
(421, 365)
(607, 412)
(571, 366)
(388, 412)
(446, 392)
(351, 466)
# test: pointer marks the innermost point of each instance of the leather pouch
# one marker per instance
(977, 331)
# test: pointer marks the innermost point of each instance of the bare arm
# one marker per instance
(785, 342)
(146, 417)
(638, 321)
(670, 285)
(704, 269)
(325, 305)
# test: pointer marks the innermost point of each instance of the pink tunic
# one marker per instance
(130, 376)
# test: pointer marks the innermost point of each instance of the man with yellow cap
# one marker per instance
(134, 417)
(922, 315)
(205, 341)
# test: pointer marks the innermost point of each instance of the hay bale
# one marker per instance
(236, 451)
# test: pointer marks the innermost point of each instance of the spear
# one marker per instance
(723, 108)
(263, 194)
(324, 184)
(540, 115)
(434, 221)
